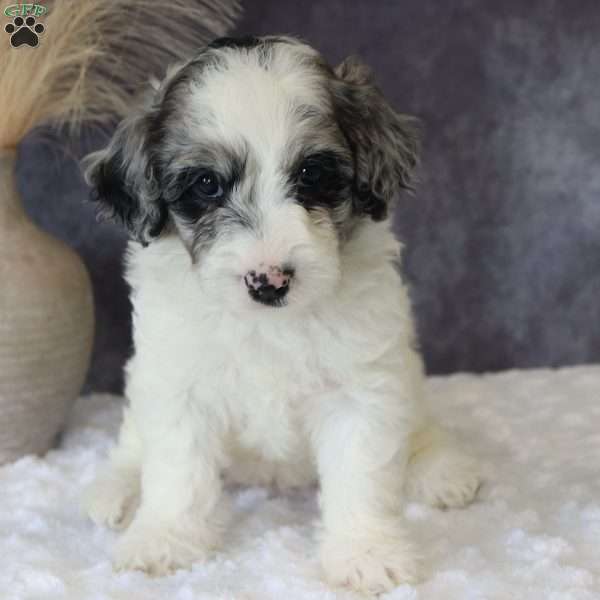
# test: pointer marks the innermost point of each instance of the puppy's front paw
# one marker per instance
(113, 498)
(158, 549)
(371, 565)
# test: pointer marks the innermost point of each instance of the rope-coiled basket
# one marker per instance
(46, 327)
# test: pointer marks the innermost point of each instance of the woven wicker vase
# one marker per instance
(46, 327)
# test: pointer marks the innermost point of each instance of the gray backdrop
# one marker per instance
(503, 236)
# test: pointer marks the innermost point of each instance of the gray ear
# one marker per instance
(123, 179)
(385, 144)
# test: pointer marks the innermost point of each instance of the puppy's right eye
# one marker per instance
(208, 185)
(310, 174)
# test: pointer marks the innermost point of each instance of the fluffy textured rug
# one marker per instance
(534, 533)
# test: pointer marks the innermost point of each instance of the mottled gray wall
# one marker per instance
(503, 236)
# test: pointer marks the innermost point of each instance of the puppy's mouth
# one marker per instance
(273, 303)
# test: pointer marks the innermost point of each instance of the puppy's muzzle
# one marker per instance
(270, 284)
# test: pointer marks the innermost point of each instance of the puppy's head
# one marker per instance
(263, 160)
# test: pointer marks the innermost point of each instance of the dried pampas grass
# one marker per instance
(94, 54)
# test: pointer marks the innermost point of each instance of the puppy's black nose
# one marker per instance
(269, 286)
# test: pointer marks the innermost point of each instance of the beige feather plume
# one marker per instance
(94, 54)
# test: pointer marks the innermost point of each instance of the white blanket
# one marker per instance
(534, 533)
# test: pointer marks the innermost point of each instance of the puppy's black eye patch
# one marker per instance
(320, 178)
(200, 191)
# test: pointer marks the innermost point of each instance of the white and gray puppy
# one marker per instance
(273, 336)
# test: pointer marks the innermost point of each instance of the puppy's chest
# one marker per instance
(271, 389)
(272, 422)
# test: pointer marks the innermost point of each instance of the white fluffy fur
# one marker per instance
(337, 387)
(327, 388)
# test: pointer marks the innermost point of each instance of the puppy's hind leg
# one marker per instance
(440, 473)
(114, 496)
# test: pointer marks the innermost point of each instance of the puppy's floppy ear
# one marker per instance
(385, 144)
(123, 179)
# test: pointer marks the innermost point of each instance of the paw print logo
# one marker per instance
(24, 32)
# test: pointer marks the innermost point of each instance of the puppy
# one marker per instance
(274, 341)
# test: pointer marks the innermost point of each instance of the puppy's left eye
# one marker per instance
(310, 174)
(208, 185)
